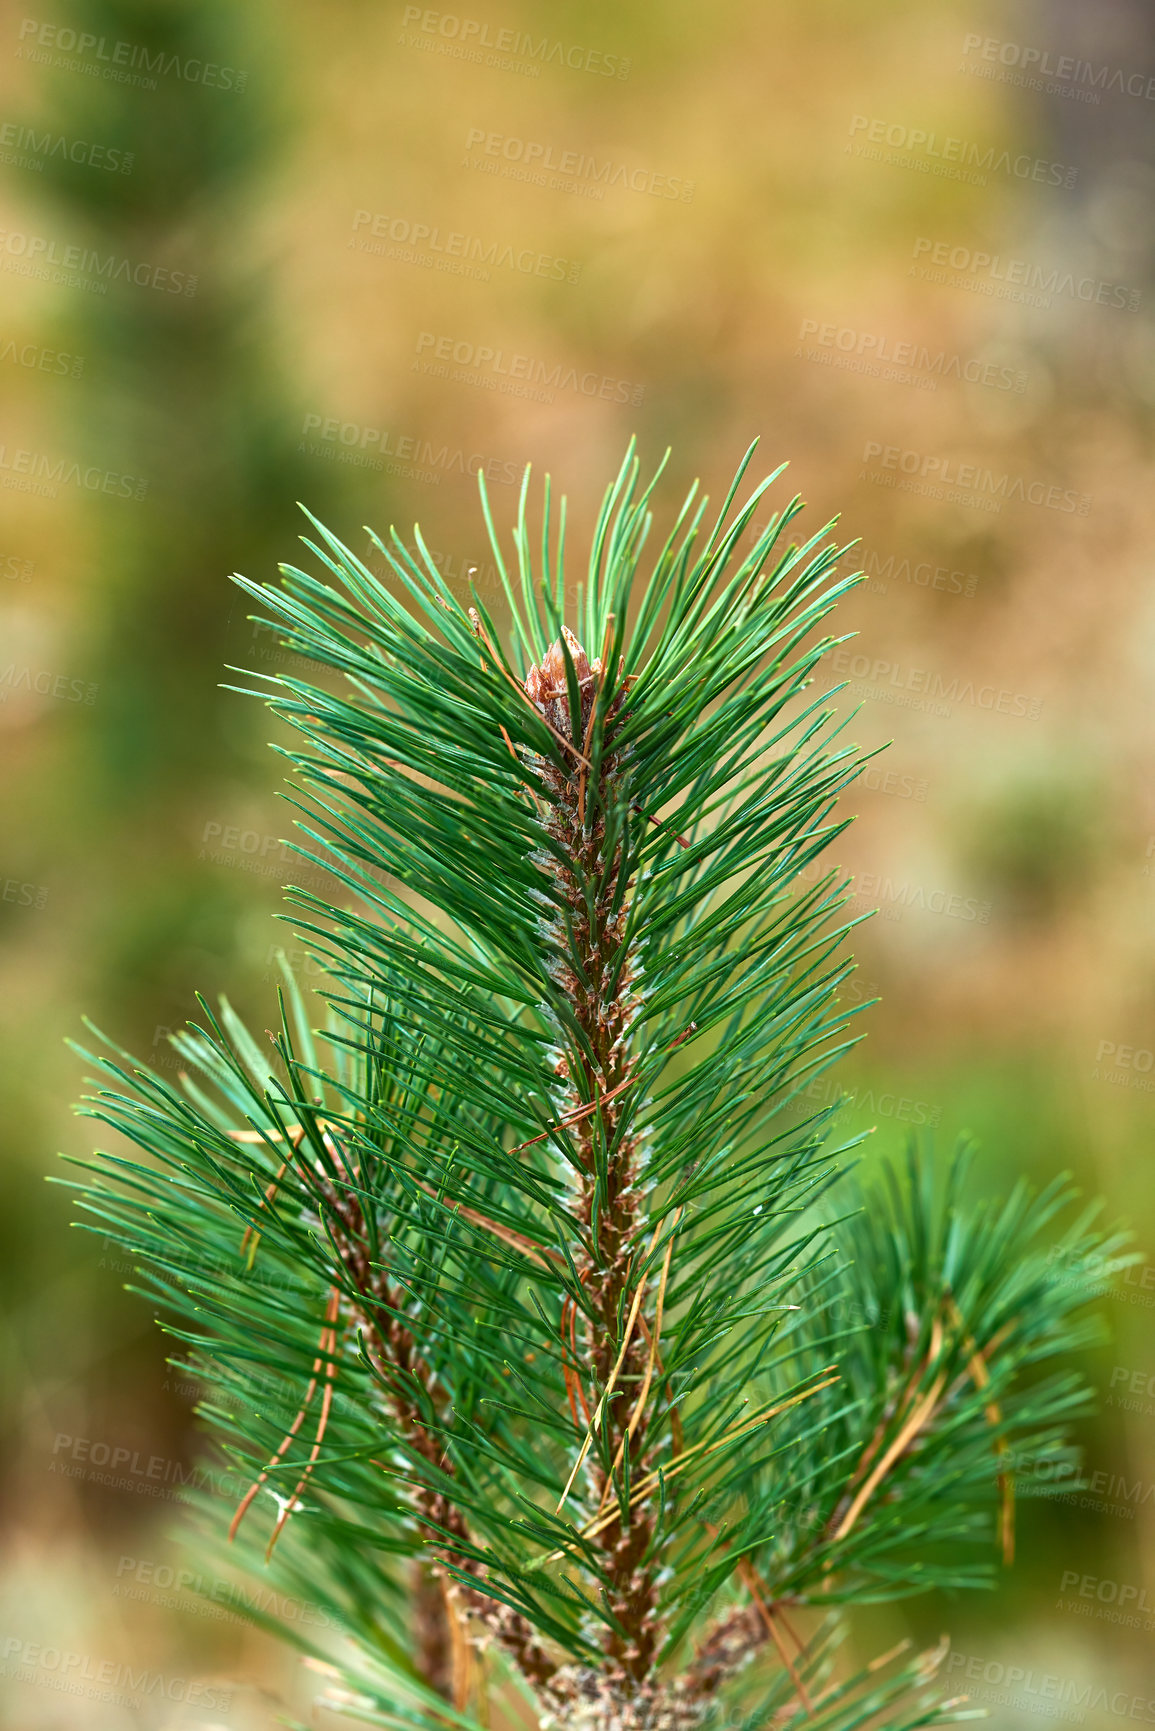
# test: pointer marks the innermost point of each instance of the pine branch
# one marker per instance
(583, 1387)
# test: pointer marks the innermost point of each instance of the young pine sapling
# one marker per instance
(517, 1286)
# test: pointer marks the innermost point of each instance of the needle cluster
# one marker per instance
(510, 1263)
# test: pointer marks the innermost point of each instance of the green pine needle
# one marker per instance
(522, 1304)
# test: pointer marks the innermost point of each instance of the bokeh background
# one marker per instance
(348, 253)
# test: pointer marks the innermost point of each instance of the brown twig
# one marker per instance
(246, 1501)
(576, 1116)
(461, 1650)
(676, 1435)
(569, 1371)
(767, 1613)
(392, 1350)
(923, 1410)
(977, 1365)
(643, 1393)
(891, 1414)
(780, 1612)
(328, 1346)
(517, 1240)
(753, 1586)
(651, 1480)
(294, 1134)
(590, 1107)
(609, 1388)
(660, 822)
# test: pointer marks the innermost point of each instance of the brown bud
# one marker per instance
(547, 682)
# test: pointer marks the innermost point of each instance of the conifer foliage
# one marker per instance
(509, 1260)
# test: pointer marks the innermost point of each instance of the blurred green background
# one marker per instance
(345, 255)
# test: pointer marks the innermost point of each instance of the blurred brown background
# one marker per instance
(347, 254)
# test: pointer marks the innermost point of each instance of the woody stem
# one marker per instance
(597, 976)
